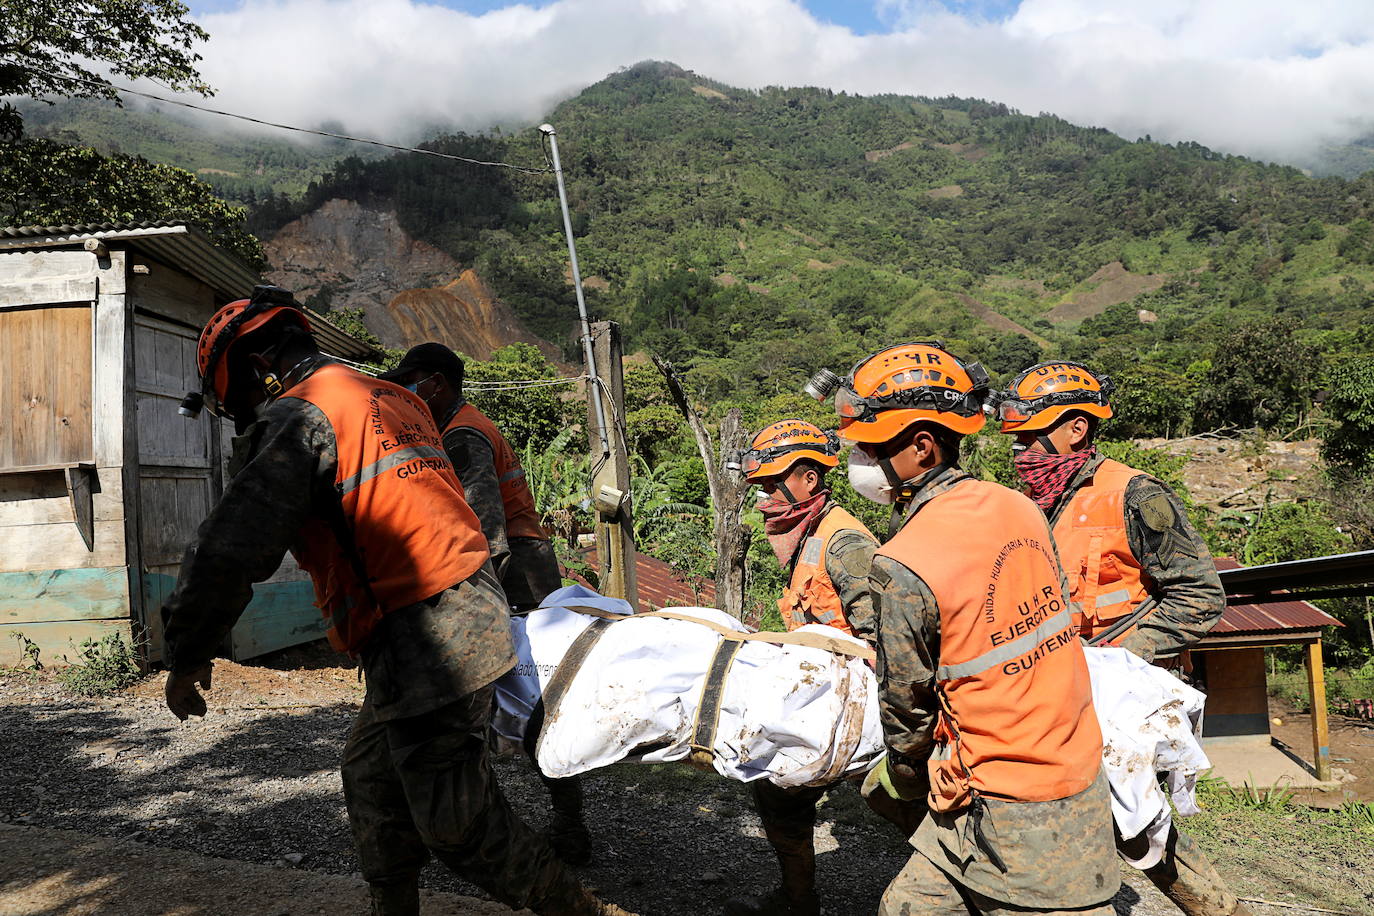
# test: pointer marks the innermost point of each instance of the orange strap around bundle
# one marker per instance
(807, 640)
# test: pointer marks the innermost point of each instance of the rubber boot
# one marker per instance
(395, 899)
(1185, 875)
(568, 833)
(777, 903)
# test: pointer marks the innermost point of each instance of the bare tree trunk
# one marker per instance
(728, 492)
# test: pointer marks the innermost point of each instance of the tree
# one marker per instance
(1013, 353)
(1349, 447)
(528, 417)
(47, 183)
(1260, 376)
(42, 41)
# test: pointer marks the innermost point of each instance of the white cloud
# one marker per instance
(1268, 78)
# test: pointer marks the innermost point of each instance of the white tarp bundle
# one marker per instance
(798, 715)
(1151, 722)
(792, 714)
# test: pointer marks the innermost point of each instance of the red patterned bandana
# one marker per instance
(787, 524)
(1046, 476)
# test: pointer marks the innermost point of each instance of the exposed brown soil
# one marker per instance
(1114, 283)
(946, 192)
(1239, 473)
(464, 314)
(877, 155)
(996, 320)
(1352, 750)
(813, 264)
(708, 92)
(727, 279)
(409, 290)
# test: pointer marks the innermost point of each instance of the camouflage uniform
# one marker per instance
(416, 774)
(1177, 564)
(789, 815)
(1180, 572)
(953, 869)
(528, 568)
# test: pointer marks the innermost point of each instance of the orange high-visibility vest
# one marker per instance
(522, 518)
(1016, 719)
(1106, 581)
(401, 506)
(810, 596)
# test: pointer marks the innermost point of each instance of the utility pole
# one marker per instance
(615, 531)
(610, 483)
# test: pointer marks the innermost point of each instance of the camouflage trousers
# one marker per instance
(921, 889)
(1185, 875)
(424, 785)
(789, 823)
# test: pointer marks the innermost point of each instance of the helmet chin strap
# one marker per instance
(1047, 443)
(786, 492)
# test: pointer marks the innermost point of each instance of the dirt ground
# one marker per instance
(1352, 750)
(112, 806)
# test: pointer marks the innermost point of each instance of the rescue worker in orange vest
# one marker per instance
(828, 552)
(983, 687)
(348, 473)
(1138, 570)
(521, 551)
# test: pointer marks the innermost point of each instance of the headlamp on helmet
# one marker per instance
(228, 325)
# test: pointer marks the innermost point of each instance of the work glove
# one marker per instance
(182, 697)
(897, 785)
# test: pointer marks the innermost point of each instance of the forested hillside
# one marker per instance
(754, 236)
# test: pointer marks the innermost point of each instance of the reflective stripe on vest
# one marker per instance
(810, 596)
(1016, 719)
(522, 519)
(413, 534)
(1106, 581)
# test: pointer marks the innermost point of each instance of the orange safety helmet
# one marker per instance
(898, 386)
(232, 323)
(1044, 393)
(776, 448)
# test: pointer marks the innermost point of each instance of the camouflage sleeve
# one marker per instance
(1178, 563)
(475, 462)
(908, 650)
(243, 539)
(847, 560)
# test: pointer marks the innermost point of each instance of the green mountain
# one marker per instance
(755, 236)
(242, 166)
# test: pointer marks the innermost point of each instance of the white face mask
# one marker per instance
(868, 479)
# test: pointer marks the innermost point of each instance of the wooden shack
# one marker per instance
(1229, 666)
(102, 482)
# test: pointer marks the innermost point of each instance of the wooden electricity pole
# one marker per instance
(610, 484)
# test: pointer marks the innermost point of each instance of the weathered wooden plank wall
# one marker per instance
(53, 588)
(45, 385)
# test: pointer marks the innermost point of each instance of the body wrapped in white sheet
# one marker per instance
(798, 715)
(792, 714)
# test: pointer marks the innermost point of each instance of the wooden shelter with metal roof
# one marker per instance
(1230, 664)
(102, 482)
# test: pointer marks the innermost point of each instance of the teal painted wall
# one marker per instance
(281, 614)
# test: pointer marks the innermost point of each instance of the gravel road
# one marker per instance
(257, 781)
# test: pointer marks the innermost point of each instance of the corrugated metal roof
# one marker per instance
(1269, 616)
(186, 248)
(659, 584)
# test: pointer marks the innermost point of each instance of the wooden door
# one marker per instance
(178, 459)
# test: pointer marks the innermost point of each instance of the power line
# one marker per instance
(304, 130)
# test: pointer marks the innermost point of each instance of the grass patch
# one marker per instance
(1266, 845)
